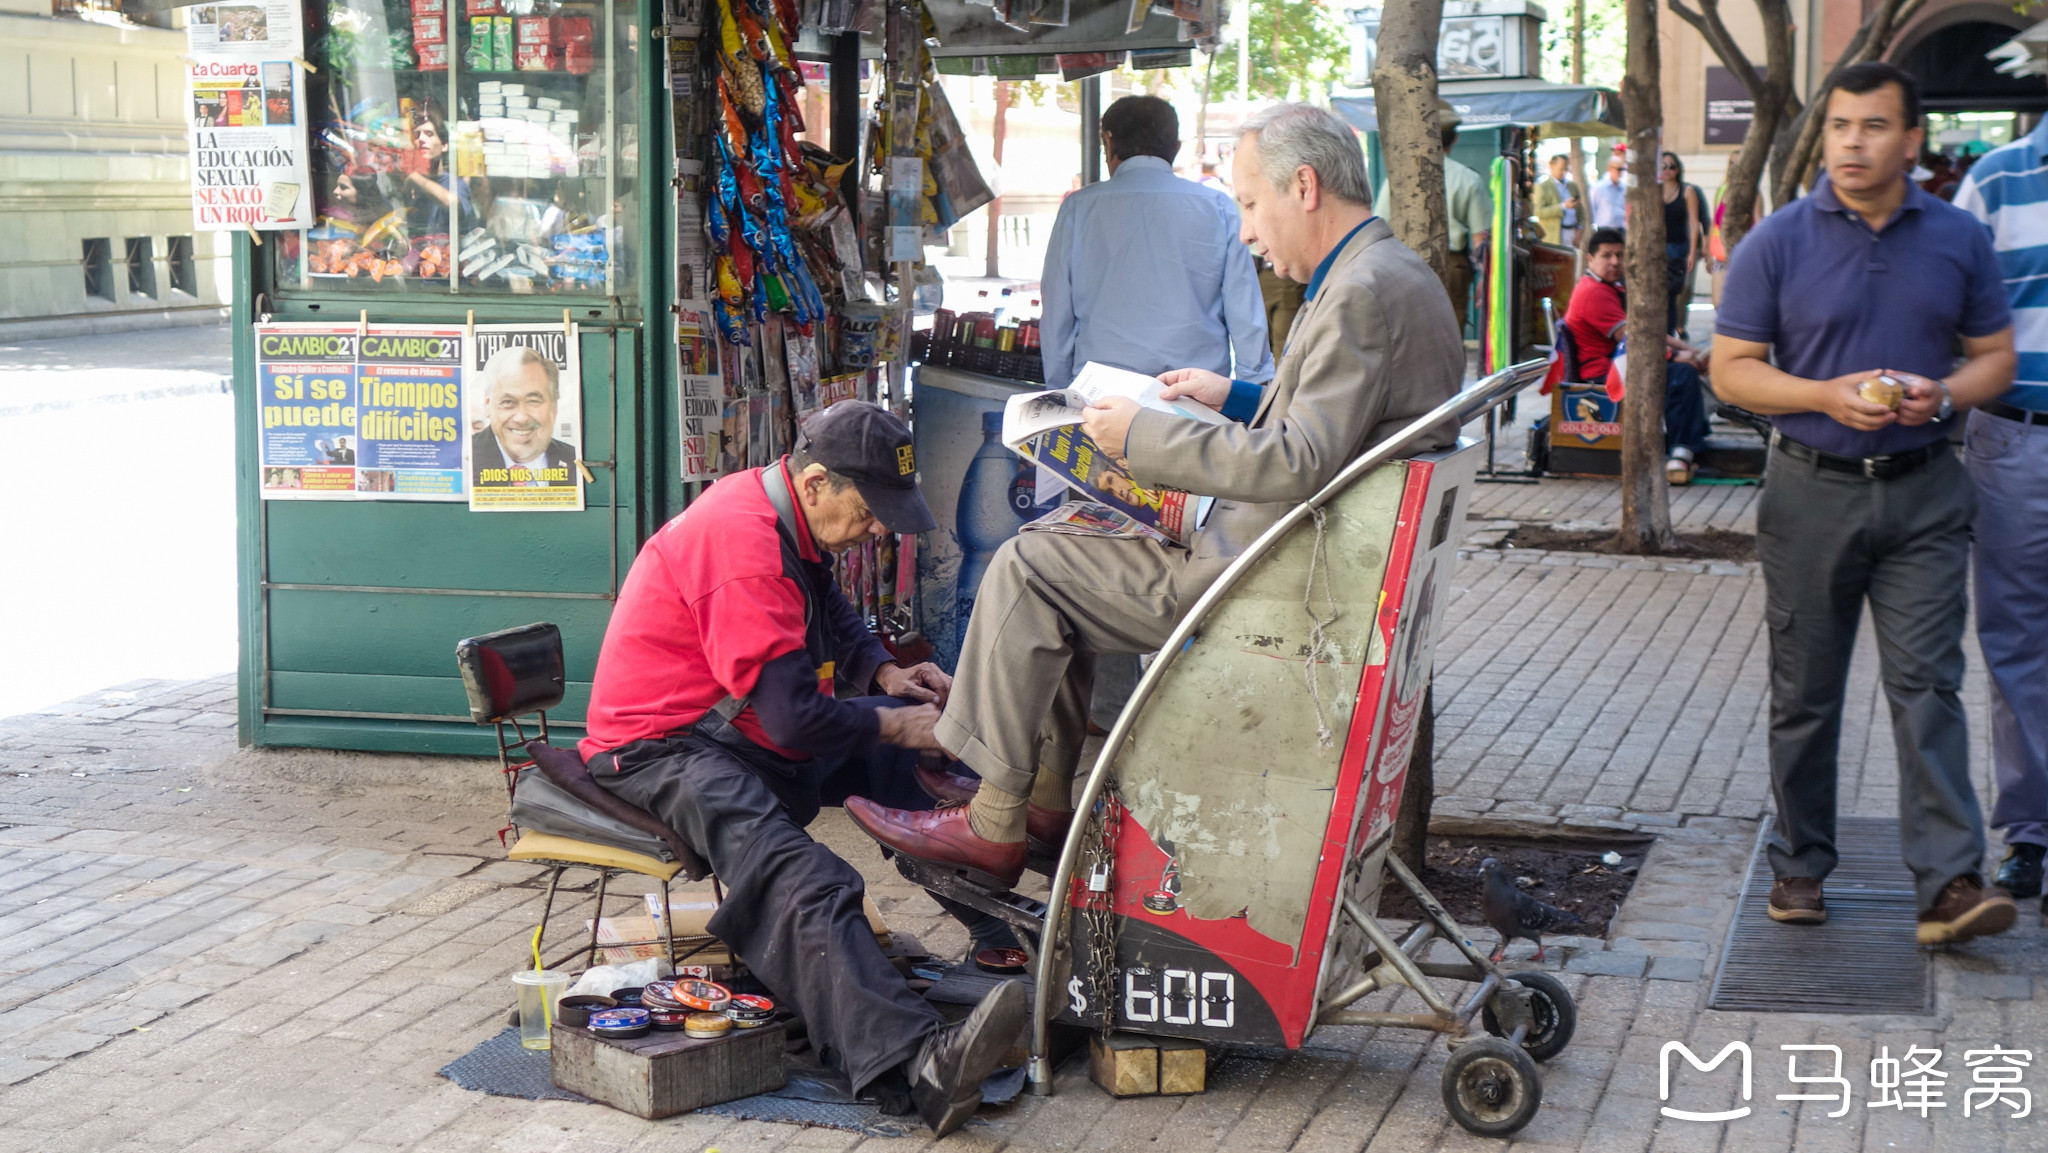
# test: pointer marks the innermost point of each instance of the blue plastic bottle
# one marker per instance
(984, 518)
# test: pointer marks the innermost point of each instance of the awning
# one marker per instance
(1550, 109)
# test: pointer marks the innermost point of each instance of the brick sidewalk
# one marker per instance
(212, 948)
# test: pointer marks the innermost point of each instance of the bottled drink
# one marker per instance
(983, 519)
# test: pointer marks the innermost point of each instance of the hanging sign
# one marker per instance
(306, 411)
(246, 111)
(522, 391)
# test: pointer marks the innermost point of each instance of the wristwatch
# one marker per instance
(1948, 404)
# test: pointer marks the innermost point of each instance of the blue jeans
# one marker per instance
(2009, 462)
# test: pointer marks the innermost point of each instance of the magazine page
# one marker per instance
(522, 392)
(1027, 414)
(1067, 453)
(1091, 518)
(1096, 382)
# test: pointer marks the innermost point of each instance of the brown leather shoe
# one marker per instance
(1797, 901)
(942, 837)
(942, 784)
(1967, 909)
(1045, 830)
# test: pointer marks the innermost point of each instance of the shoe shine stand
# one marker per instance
(1224, 883)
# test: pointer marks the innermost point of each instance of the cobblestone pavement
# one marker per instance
(211, 948)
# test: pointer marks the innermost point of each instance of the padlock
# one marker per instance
(1098, 878)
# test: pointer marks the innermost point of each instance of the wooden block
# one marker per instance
(1126, 1065)
(1183, 1065)
(666, 1073)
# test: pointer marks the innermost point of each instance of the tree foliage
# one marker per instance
(1298, 49)
(1606, 43)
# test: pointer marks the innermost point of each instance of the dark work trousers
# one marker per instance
(792, 908)
(1685, 409)
(1828, 542)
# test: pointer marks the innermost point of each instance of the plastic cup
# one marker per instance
(538, 993)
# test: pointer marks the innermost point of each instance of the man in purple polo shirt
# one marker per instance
(1869, 275)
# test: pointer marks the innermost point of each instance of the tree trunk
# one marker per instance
(995, 207)
(1404, 93)
(1645, 505)
(1202, 115)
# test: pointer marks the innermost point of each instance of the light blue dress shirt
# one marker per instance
(1145, 271)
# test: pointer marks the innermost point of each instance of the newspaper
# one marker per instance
(1091, 518)
(1044, 427)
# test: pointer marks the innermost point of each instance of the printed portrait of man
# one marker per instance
(522, 395)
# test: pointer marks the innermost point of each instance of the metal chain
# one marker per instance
(1098, 909)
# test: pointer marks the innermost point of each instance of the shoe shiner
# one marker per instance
(713, 709)
(1374, 347)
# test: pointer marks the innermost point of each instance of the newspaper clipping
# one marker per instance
(410, 441)
(700, 388)
(247, 108)
(306, 411)
(521, 389)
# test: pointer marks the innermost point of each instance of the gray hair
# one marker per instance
(514, 357)
(1291, 135)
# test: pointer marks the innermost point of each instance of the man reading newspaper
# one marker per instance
(1374, 347)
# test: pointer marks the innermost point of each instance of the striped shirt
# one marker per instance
(2007, 189)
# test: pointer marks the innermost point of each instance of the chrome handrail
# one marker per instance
(1464, 407)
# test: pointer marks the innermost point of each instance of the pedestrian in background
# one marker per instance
(2006, 450)
(1144, 271)
(1609, 195)
(1468, 218)
(1556, 204)
(1866, 500)
(1684, 216)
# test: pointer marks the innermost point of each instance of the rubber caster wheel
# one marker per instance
(1557, 1015)
(1491, 1087)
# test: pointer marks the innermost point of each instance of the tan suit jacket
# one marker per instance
(1375, 348)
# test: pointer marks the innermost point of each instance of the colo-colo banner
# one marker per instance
(306, 411)
(521, 390)
(410, 414)
(246, 109)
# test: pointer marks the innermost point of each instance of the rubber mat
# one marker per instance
(503, 1068)
(1863, 960)
(813, 1096)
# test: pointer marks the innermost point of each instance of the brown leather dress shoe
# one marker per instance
(1797, 901)
(942, 784)
(1045, 830)
(1967, 909)
(942, 837)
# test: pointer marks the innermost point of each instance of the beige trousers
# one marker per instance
(1048, 604)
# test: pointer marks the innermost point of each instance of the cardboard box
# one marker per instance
(501, 43)
(433, 57)
(484, 8)
(536, 58)
(547, 102)
(536, 30)
(429, 7)
(428, 30)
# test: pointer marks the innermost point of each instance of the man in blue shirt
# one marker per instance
(2006, 451)
(1145, 270)
(1869, 275)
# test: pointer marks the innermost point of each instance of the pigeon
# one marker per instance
(1513, 913)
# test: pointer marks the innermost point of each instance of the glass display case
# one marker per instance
(481, 147)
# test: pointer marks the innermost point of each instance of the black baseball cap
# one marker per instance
(868, 445)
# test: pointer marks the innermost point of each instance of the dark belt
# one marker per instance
(2011, 412)
(1889, 467)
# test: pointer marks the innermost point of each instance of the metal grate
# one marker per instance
(1864, 960)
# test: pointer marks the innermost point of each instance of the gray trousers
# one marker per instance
(2009, 462)
(1828, 542)
(1048, 605)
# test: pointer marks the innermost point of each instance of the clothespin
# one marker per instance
(568, 327)
(302, 62)
(589, 477)
(469, 329)
(363, 325)
(255, 237)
